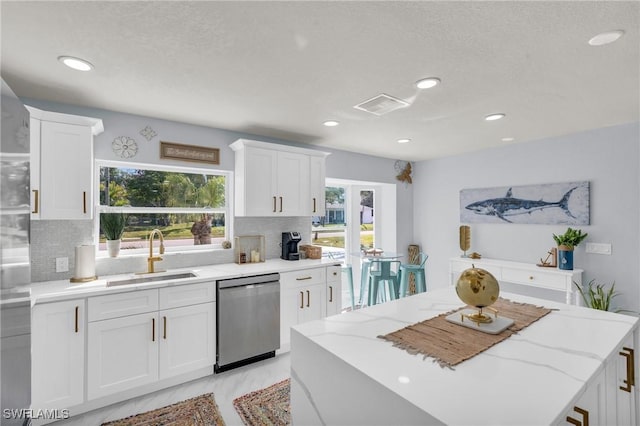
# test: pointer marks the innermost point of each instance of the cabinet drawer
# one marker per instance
(122, 304)
(458, 266)
(334, 273)
(185, 295)
(305, 277)
(537, 278)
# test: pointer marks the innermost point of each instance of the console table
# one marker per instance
(526, 274)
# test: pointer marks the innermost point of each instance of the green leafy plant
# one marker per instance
(570, 239)
(597, 296)
(113, 225)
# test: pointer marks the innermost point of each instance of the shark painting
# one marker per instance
(508, 208)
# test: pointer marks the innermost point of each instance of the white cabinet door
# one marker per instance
(66, 171)
(260, 182)
(187, 339)
(122, 353)
(317, 185)
(293, 184)
(334, 290)
(34, 170)
(623, 384)
(291, 301)
(590, 409)
(57, 354)
(314, 303)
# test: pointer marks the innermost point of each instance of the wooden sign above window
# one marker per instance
(198, 154)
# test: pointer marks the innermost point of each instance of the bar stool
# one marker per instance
(347, 269)
(418, 271)
(383, 275)
(364, 281)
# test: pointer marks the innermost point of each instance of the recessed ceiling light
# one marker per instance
(404, 140)
(606, 38)
(427, 83)
(76, 63)
(508, 139)
(331, 123)
(497, 116)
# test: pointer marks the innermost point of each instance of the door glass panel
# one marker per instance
(367, 221)
(328, 231)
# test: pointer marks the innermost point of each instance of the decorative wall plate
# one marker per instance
(148, 133)
(124, 147)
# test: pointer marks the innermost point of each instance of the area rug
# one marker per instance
(450, 344)
(199, 411)
(266, 407)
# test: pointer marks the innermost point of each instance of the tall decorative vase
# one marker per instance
(565, 258)
(113, 248)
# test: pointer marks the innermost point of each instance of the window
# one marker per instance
(188, 205)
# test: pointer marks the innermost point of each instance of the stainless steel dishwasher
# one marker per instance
(248, 320)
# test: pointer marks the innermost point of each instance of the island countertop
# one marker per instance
(342, 373)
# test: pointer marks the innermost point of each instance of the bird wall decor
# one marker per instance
(404, 171)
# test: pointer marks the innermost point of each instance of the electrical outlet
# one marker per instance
(62, 264)
(598, 248)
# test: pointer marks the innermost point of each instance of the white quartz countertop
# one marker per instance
(53, 291)
(530, 378)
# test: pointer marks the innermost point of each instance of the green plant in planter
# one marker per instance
(570, 239)
(113, 225)
(597, 296)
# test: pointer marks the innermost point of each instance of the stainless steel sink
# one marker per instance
(151, 278)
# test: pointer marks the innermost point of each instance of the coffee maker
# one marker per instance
(289, 244)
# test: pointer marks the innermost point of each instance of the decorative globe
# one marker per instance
(477, 287)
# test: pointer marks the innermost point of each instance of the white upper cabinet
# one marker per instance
(62, 165)
(277, 180)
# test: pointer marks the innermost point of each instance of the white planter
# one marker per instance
(113, 248)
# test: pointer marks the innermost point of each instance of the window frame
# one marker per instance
(227, 209)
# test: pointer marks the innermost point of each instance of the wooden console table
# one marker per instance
(526, 274)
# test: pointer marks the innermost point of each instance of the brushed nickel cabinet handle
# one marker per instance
(303, 278)
(280, 204)
(36, 202)
(585, 417)
(314, 204)
(631, 373)
(301, 300)
(153, 329)
(308, 298)
(77, 318)
(274, 203)
(330, 294)
(84, 202)
(164, 332)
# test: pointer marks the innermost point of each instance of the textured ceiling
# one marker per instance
(280, 69)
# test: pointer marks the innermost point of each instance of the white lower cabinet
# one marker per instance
(122, 354)
(57, 354)
(308, 295)
(590, 408)
(187, 339)
(334, 290)
(139, 349)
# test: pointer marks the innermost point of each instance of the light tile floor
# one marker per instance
(225, 386)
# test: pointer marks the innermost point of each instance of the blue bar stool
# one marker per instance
(347, 269)
(418, 271)
(364, 280)
(381, 275)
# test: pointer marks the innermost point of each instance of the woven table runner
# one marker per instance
(450, 344)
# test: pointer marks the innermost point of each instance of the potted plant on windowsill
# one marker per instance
(566, 242)
(112, 225)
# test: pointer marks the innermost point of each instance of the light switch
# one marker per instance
(598, 248)
(62, 264)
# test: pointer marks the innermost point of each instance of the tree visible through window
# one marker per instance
(189, 206)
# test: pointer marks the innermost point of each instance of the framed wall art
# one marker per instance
(194, 153)
(548, 204)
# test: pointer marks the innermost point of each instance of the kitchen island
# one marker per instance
(574, 357)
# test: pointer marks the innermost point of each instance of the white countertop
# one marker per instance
(530, 378)
(53, 291)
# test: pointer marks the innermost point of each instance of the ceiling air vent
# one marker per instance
(381, 104)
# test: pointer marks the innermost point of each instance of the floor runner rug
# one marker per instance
(201, 411)
(266, 407)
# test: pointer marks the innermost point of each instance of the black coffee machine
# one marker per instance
(289, 244)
